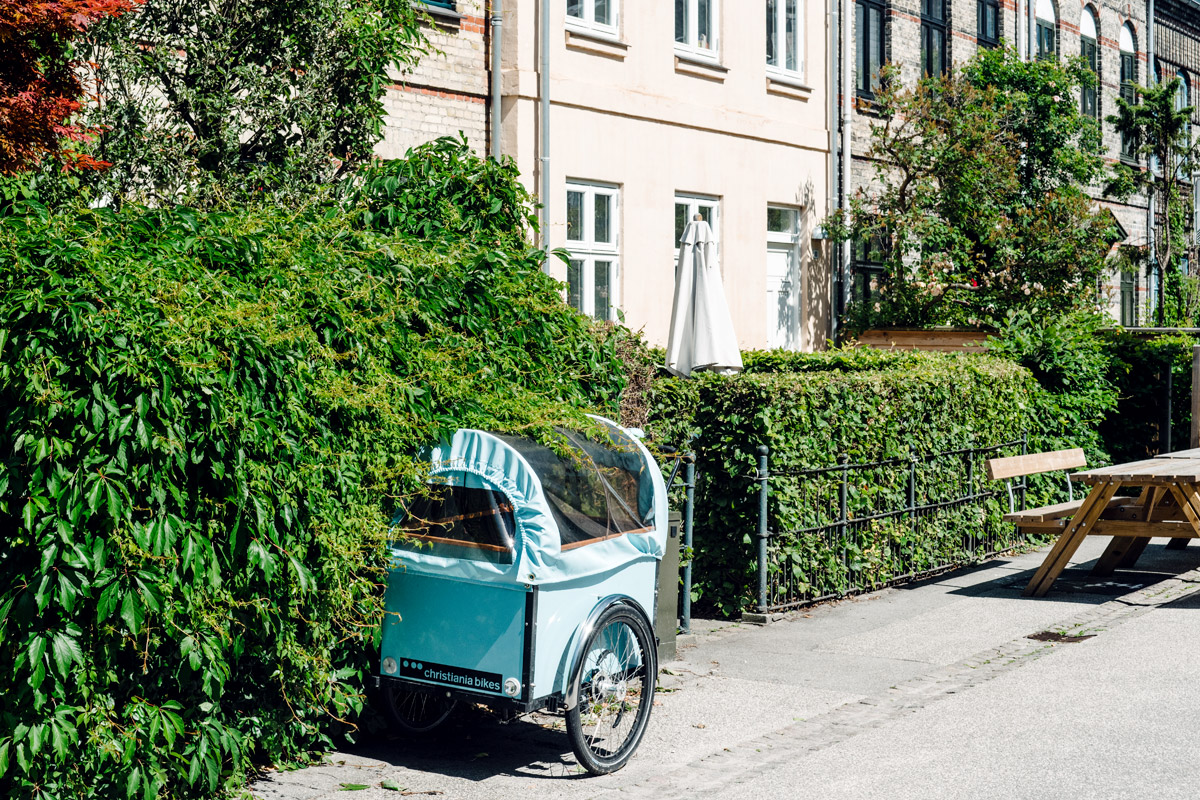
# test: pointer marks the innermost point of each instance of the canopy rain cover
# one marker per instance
(510, 510)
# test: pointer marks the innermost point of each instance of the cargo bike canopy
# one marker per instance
(509, 509)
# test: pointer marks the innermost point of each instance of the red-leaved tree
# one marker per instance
(40, 85)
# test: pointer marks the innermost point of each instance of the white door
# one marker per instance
(783, 297)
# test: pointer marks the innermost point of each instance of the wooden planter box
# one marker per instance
(935, 340)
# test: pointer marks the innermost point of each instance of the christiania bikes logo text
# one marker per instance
(453, 676)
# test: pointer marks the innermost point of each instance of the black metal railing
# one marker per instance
(832, 531)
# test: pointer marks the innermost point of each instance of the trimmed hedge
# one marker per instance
(1137, 366)
(808, 408)
(206, 421)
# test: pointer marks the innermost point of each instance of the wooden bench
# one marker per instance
(1051, 518)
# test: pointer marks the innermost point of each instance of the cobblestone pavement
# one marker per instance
(744, 704)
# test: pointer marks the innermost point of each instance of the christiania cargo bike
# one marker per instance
(527, 581)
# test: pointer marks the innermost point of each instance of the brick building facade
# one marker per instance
(448, 90)
(1109, 33)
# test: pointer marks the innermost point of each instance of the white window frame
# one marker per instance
(691, 47)
(589, 24)
(791, 240)
(693, 203)
(781, 41)
(791, 237)
(588, 252)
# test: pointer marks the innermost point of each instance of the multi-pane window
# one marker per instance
(785, 36)
(599, 15)
(592, 238)
(868, 256)
(1087, 96)
(696, 27)
(1129, 299)
(686, 209)
(933, 37)
(988, 31)
(1045, 30)
(441, 3)
(1045, 40)
(1128, 81)
(869, 45)
(1090, 53)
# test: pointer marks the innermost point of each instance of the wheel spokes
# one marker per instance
(615, 690)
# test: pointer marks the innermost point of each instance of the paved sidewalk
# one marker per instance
(926, 691)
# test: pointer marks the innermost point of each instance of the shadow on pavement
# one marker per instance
(1076, 584)
(474, 745)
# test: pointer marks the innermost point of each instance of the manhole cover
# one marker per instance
(1051, 636)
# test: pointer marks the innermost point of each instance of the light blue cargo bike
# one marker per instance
(528, 582)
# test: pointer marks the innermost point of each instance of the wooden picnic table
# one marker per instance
(1169, 506)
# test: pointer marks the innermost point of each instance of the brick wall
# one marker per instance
(447, 91)
(1180, 45)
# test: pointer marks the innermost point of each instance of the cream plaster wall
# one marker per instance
(629, 113)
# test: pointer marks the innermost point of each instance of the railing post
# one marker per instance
(912, 482)
(689, 484)
(843, 513)
(1194, 440)
(912, 500)
(1170, 410)
(763, 532)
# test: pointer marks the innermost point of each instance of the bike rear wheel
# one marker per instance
(612, 690)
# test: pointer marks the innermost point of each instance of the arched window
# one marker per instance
(1091, 58)
(1047, 25)
(1127, 45)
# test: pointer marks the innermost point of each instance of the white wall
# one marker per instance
(629, 113)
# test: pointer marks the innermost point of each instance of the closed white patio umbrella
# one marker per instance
(702, 334)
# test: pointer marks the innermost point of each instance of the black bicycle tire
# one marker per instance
(408, 725)
(595, 763)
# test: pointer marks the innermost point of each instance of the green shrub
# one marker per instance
(207, 421)
(1074, 393)
(1138, 369)
(852, 359)
(442, 188)
(867, 405)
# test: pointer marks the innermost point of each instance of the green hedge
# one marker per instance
(1138, 368)
(207, 420)
(808, 408)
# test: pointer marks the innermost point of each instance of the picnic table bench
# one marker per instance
(1168, 506)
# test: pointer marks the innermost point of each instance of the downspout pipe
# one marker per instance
(545, 137)
(847, 90)
(1151, 232)
(497, 74)
(833, 116)
(1018, 39)
(1031, 29)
